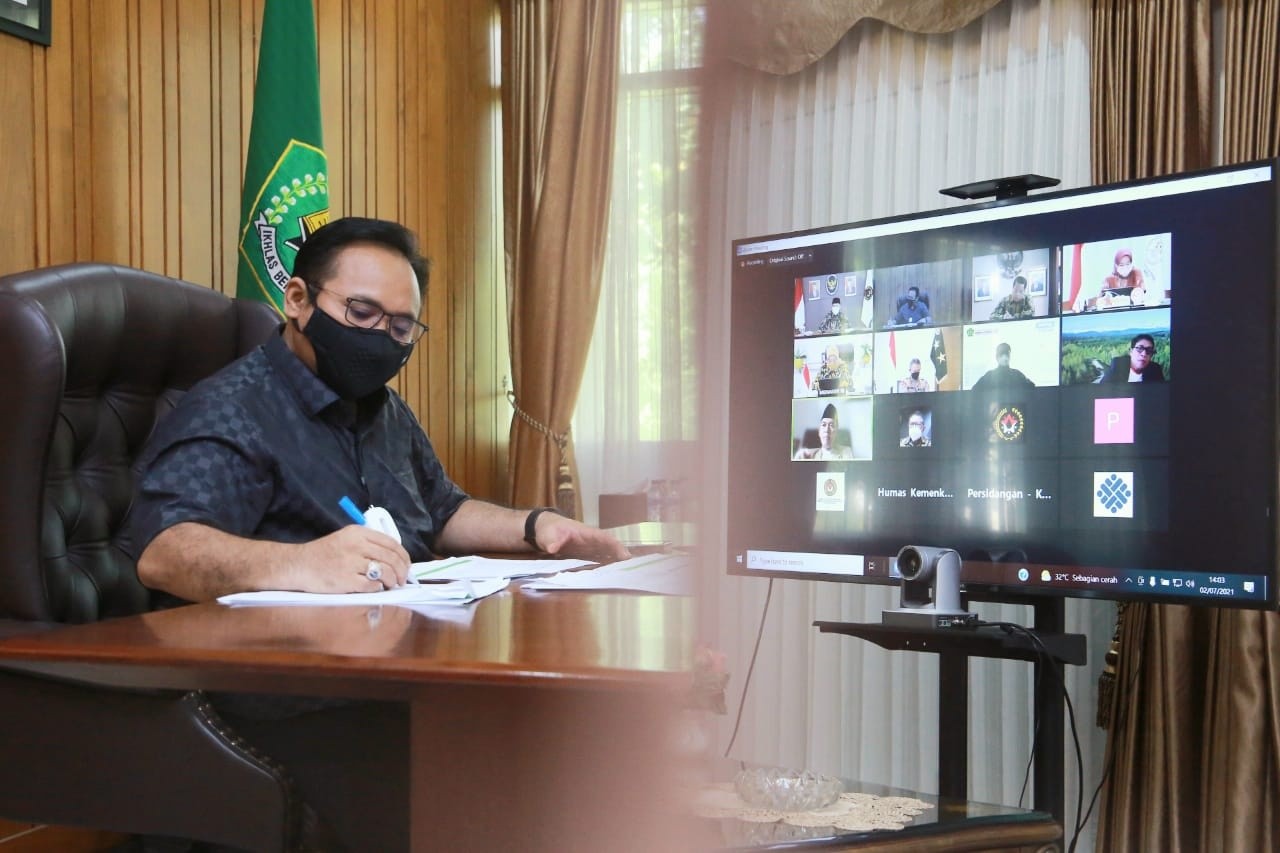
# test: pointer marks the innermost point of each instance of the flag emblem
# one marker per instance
(292, 203)
(285, 193)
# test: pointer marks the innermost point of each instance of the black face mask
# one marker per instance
(353, 362)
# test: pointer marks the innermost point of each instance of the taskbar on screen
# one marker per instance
(1036, 578)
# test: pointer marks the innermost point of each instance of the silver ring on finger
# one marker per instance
(373, 571)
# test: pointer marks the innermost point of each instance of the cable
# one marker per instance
(1035, 741)
(1043, 652)
(751, 667)
(1111, 759)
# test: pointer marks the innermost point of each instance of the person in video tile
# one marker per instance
(1002, 377)
(1015, 306)
(835, 321)
(1125, 279)
(833, 377)
(914, 381)
(1139, 365)
(915, 431)
(913, 311)
(829, 446)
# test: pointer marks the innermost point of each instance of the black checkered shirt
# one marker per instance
(263, 449)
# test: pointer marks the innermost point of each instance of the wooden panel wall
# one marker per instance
(125, 140)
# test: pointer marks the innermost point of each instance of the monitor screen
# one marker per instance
(1001, 379)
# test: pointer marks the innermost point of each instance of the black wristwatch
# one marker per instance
(531, 523)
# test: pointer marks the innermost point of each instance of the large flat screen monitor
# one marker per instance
(1076, 391)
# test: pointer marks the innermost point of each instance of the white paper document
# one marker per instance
(665, 574)
(488, 568)
(457, 592)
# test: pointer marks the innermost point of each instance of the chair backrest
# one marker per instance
(95, 355)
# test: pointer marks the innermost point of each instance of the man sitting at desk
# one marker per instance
(239, 486)
(239, 489)
(1015, 306)
(913, 311)
(835, 322)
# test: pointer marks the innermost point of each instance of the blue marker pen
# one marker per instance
(349, 507)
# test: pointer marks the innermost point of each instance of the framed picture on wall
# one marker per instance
(28, 19)
(1036, 285)
(982, 286)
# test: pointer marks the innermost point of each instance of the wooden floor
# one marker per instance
(36, 838)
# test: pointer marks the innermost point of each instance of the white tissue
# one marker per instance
(379, 519)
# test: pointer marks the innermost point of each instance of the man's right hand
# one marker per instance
(200, 563)
(340, 562)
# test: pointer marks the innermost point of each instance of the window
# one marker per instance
(640, 387)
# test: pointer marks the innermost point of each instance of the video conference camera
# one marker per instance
(930, 592)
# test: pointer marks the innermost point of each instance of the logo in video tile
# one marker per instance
(830, 496)
(1113, 494)
(1113, 420)
(1009, 423)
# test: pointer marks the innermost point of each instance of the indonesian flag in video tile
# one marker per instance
(1075, 277)
(799, 326)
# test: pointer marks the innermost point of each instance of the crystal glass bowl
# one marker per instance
(787, 790)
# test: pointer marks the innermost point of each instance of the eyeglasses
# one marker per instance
(364, 314)
(1143, 348)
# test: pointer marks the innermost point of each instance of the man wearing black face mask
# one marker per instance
(912, 310)
(239, 487)
(914, 381)
(238, 490)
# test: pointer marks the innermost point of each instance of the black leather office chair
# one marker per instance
(93, 355)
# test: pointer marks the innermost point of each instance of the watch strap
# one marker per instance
(531, 524)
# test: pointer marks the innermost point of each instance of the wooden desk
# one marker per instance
(541, 723)
(539, 701)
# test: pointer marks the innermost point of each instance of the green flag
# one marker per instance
(286, 181)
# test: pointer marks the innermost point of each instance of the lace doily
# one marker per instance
(850, 813)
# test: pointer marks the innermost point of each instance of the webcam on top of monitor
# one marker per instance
(1002, 188)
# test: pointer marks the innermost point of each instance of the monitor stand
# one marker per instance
(954, 647)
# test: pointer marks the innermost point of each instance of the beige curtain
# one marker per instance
(559, 78)
(1195, 724)
(1251, 39)
(785, 37)
(1241, 785)
(1149, 68)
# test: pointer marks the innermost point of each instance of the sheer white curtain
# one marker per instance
(875, 129)
(636, 413)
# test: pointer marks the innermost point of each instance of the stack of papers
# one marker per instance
(488, 568)
(458, 592)
(665, 574)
